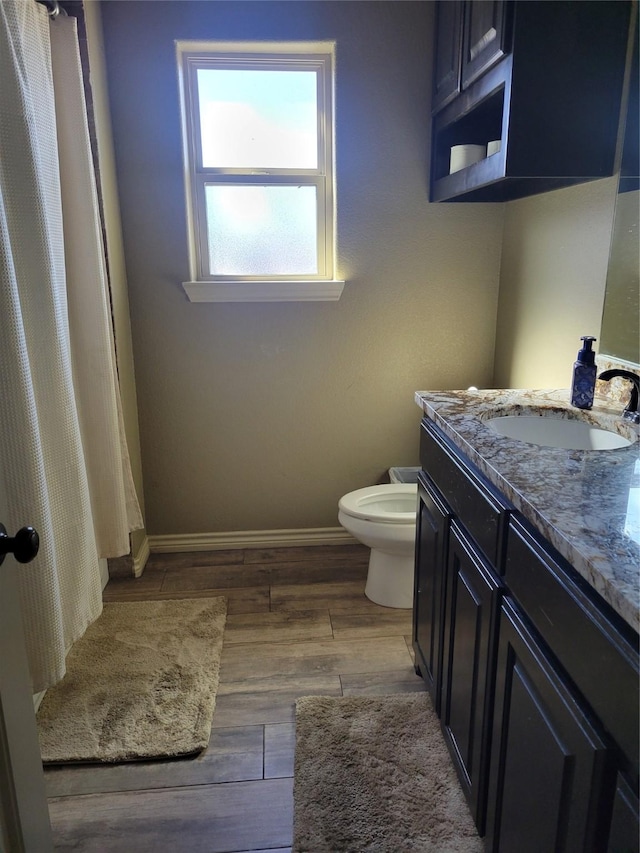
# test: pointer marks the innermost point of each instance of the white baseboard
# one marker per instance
(250, 539)
(141, 557)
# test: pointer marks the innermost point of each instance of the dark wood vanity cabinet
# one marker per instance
(534, 677)
(544, 78)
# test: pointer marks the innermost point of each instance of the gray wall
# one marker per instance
(260, 416)
(552, 284)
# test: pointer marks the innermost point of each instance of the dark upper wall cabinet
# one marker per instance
(545, 79)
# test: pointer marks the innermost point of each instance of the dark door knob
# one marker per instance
(24, 545)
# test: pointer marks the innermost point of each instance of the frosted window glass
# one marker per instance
(258, 119)
(261, 230)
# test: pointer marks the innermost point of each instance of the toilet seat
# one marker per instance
(393, 503)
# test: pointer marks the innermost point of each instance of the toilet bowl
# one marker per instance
(384, 518)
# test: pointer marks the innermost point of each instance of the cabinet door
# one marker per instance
(624, 832)
(431, 537)
(549, 769)
(471, 605)
(448, 45)
(484, 37)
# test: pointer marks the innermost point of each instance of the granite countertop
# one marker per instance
(586, 503)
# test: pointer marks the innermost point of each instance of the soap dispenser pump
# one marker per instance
(584, 375)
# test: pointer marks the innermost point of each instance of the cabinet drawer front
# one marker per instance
(598, 653)
(473, 500)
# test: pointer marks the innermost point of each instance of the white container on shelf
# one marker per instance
(465, 155)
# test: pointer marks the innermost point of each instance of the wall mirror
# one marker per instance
(620, 331)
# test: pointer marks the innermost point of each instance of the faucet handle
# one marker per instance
(625, 374)
(631, 412)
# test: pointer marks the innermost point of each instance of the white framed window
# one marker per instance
(258, 145)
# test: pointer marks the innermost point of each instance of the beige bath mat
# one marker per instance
(373, 774)
(140, 684)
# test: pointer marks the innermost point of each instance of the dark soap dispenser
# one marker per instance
(584, 375)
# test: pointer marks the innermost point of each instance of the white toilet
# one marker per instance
(384, 518)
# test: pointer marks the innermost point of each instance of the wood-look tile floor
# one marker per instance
(298, 624)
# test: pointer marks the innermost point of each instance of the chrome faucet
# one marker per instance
(631, 412)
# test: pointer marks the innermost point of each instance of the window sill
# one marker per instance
(263, 291)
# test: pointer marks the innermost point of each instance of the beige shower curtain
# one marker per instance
(62, 452)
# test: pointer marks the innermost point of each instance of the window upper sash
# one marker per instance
(320, 65)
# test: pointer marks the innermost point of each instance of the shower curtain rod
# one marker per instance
(53, 8)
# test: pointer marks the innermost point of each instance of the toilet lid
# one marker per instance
(394, 503)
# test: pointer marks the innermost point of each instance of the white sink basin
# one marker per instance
(549, 431)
